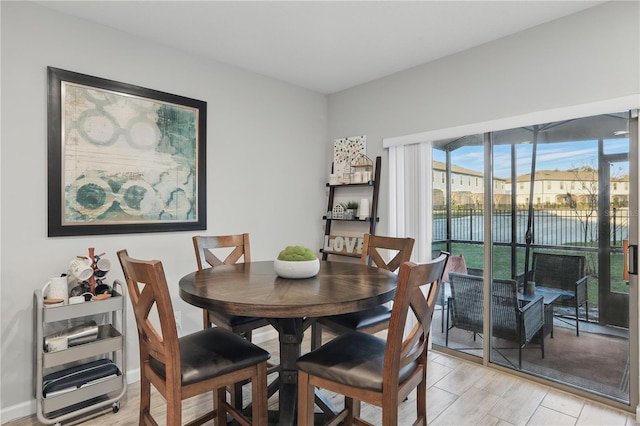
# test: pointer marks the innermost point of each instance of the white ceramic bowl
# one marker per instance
(296, 270)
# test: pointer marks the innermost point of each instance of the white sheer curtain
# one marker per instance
(410, 196)
(410, 200)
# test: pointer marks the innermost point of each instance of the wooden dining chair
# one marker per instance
(180, 368)
(237, 248)
(216, 250)
(367, 368)
(375, 319)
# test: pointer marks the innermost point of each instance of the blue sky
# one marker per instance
(553, 156)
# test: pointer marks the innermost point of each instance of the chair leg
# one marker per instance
(390, 413)
(145, 399)
(421, 402)
(316, 335)
(441, 299)
(220, 396)
(259, 396)
(305, 399)
(235, 391)
(577, 322)
(352, 406)
(586, 311)
(520, 357)
(205, 319)
(174, 406)
(446, 336)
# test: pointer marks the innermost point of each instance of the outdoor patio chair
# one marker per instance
(455, 263)
(514, 322)
(565, 274)
(511, 321)
(465, 304)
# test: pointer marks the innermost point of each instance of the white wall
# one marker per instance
(584, 58)
(266, 167)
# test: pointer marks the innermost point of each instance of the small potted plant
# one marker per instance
(350, 209)
(296, 262)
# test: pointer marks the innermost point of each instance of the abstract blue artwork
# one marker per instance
(130, 159)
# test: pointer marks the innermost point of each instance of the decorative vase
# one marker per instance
(296, 269)
(363, 211)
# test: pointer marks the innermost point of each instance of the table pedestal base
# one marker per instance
(290, 335)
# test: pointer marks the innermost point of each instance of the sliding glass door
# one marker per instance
(459, 209)
(613, 282)
(558, 297)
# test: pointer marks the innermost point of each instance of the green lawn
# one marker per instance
(474, 258)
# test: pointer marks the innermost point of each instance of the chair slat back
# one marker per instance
(559, 271)
(413, 281)
(373, 244)
(205, 245)
(149, 293)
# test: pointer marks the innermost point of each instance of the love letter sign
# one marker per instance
(343, 244)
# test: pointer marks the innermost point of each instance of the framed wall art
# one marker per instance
(344, 151)
(123, 158)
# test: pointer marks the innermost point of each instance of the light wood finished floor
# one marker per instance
(459, 393)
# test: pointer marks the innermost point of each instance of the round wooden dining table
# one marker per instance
(290, 305)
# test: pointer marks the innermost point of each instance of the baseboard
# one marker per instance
(18, 411)
(133, 376)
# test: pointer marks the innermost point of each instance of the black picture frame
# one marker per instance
(122, 158)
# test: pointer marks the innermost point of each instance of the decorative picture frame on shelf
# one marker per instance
(123, 158)
(361, 168)
(344, 151)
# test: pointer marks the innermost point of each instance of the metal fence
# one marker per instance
(554, 227)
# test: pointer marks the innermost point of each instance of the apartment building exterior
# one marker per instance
(552, 188)
(467, 186)
(567, 188)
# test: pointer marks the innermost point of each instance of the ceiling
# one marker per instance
(604, 126)
(325, 46)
